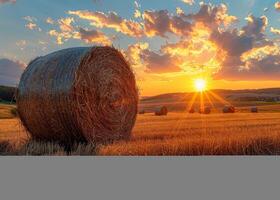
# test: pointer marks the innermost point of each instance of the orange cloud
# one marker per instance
(112, 20)
(277, 5)
(94, 36)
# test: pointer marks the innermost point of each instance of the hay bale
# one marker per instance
(191, 110)
(78, 95)
(205, 110)
(254, 110)
(229, 109)
(161, 111)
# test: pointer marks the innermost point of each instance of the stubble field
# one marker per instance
(174, 134)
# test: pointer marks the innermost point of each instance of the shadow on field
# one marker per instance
(35, 148)
(258, 146)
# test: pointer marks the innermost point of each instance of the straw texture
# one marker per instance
(78, 95)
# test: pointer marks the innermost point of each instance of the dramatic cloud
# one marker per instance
(213, 16)
(7, 1)
(110, 20)
(145, 60)
(207, 41)
(161, 22)
(157, 63)
(247, 53)
(267, 68)
(10, 72)
(256, 27)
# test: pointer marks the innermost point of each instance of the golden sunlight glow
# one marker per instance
(200, 85)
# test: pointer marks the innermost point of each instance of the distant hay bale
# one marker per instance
(229, 109)
(205, 110)
(191, 110)
(254, 110)
(78, 95)
(161, 111)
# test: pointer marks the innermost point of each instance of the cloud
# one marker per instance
(94, 36)
(7, 1)
(246, 54)
(31, 23)
(179, 11)
(65, 24)
(206, 41)
(144, 60)
(277, 5)
(10, 72)
(213, 16)
(189, 2)
(255, 27)
(159, 63)
(161, 22)
(31, 26)
(30, 19)
(267, 68)
(49, 21)
(68, 31)
(275, 31)
(110, 20)
(137, 12)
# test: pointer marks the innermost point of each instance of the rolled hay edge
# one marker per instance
(78, 95)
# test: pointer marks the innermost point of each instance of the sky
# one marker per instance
(169, 44)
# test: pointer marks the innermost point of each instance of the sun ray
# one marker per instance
(209, 100)
(220, 99)
(192, 101)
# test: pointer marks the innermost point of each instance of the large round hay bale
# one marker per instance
(78, 95)
(161, 111)
(229, 109)
(254, 110)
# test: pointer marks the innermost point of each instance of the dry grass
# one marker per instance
(187, 134)
(175, 134)
(7, 111)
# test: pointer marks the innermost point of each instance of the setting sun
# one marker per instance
(200, 84)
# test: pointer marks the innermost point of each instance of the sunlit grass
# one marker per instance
(175, 134)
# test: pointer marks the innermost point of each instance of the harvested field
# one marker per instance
(175, 134)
